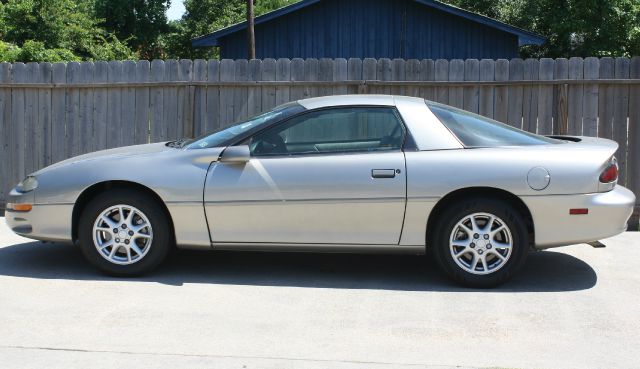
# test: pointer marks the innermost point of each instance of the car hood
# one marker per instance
(111, 154)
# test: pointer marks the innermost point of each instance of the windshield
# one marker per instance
(226, 136)
(477, 131)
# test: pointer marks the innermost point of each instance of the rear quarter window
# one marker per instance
(477, 131)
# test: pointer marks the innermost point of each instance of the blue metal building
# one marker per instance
(407, 29)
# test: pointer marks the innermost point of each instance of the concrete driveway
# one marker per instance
(576, 307)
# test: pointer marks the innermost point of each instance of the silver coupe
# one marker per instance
(360, 173)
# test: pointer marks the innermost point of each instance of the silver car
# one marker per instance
(356, 173)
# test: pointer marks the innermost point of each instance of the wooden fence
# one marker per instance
(49, 112)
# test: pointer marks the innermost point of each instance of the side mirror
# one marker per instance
(236, 154)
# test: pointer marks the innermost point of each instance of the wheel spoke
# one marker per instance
(474, 263)
(141, 235)
(501, 245)
(128, 254)
(104, 227)
(499, 255)
(461, 253)
(483, 258)
(467, 229)
(121, 213)
(106, 244)
(474, 225)
(108, 220)
(136, 249)
(137, 227)
(129, 218)
(487, 227)
(461, 243)
(496, 231)
(113, 252)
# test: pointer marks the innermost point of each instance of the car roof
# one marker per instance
(346, 100)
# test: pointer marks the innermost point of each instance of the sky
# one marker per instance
(176, 10)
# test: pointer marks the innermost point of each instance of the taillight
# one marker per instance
(610, 174)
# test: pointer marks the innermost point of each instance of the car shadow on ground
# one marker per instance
(544, 272)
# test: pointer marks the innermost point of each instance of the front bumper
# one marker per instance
(46, 222)
(608, 215)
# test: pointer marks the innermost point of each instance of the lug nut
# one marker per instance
(476, 236)
(117, 240)
(472, 245)
(489, 246)
(124, 226)
(486, 236)
(480, 252)
(115, 230)
(126, 242)
(130, 233)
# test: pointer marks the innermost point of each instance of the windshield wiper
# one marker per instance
(178, 144)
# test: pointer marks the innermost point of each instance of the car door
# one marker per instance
(330, 176)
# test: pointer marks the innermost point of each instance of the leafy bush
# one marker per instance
(34, 51)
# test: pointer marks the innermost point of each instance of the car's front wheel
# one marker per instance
(124, 233)
(481, 242)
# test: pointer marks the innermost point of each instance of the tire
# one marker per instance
(500, 253)
(146, 231)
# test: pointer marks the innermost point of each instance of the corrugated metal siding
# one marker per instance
(372, 29)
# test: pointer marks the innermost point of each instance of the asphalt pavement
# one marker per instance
(573, 307)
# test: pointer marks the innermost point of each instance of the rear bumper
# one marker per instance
(554, 226)
(46, 222)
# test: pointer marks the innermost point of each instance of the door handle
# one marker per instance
(383, 173)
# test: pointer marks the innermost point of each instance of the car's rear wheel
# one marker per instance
(481, 242)
(124, 233)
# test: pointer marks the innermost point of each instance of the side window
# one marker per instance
(337, 130)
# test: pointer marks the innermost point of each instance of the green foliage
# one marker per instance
(140, 22)
(56, 30)
(110, 48)
(573, 27)
(33, 51)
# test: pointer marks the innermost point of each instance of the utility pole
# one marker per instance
(251, 35)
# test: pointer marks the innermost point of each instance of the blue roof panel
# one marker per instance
(524, 37)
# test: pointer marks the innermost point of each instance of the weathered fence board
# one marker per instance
(141, 119)
(17, 124)
(5, 132)
(58, 115)
(605, 100)
(516, 93)
(590, 105)
(620, 115)
(213, 97)
(501, 98)
(560, 110)
(471, 94)
(530, 96)
(456, 73)
(100, 106)
(128, 104)
(115, 126)
(633, 154)
(545, 98)
(49, 112)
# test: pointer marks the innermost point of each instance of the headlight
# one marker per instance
(28, 184)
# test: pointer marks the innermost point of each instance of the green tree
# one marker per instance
(139, 22)
(573, 27)
(56, 30)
